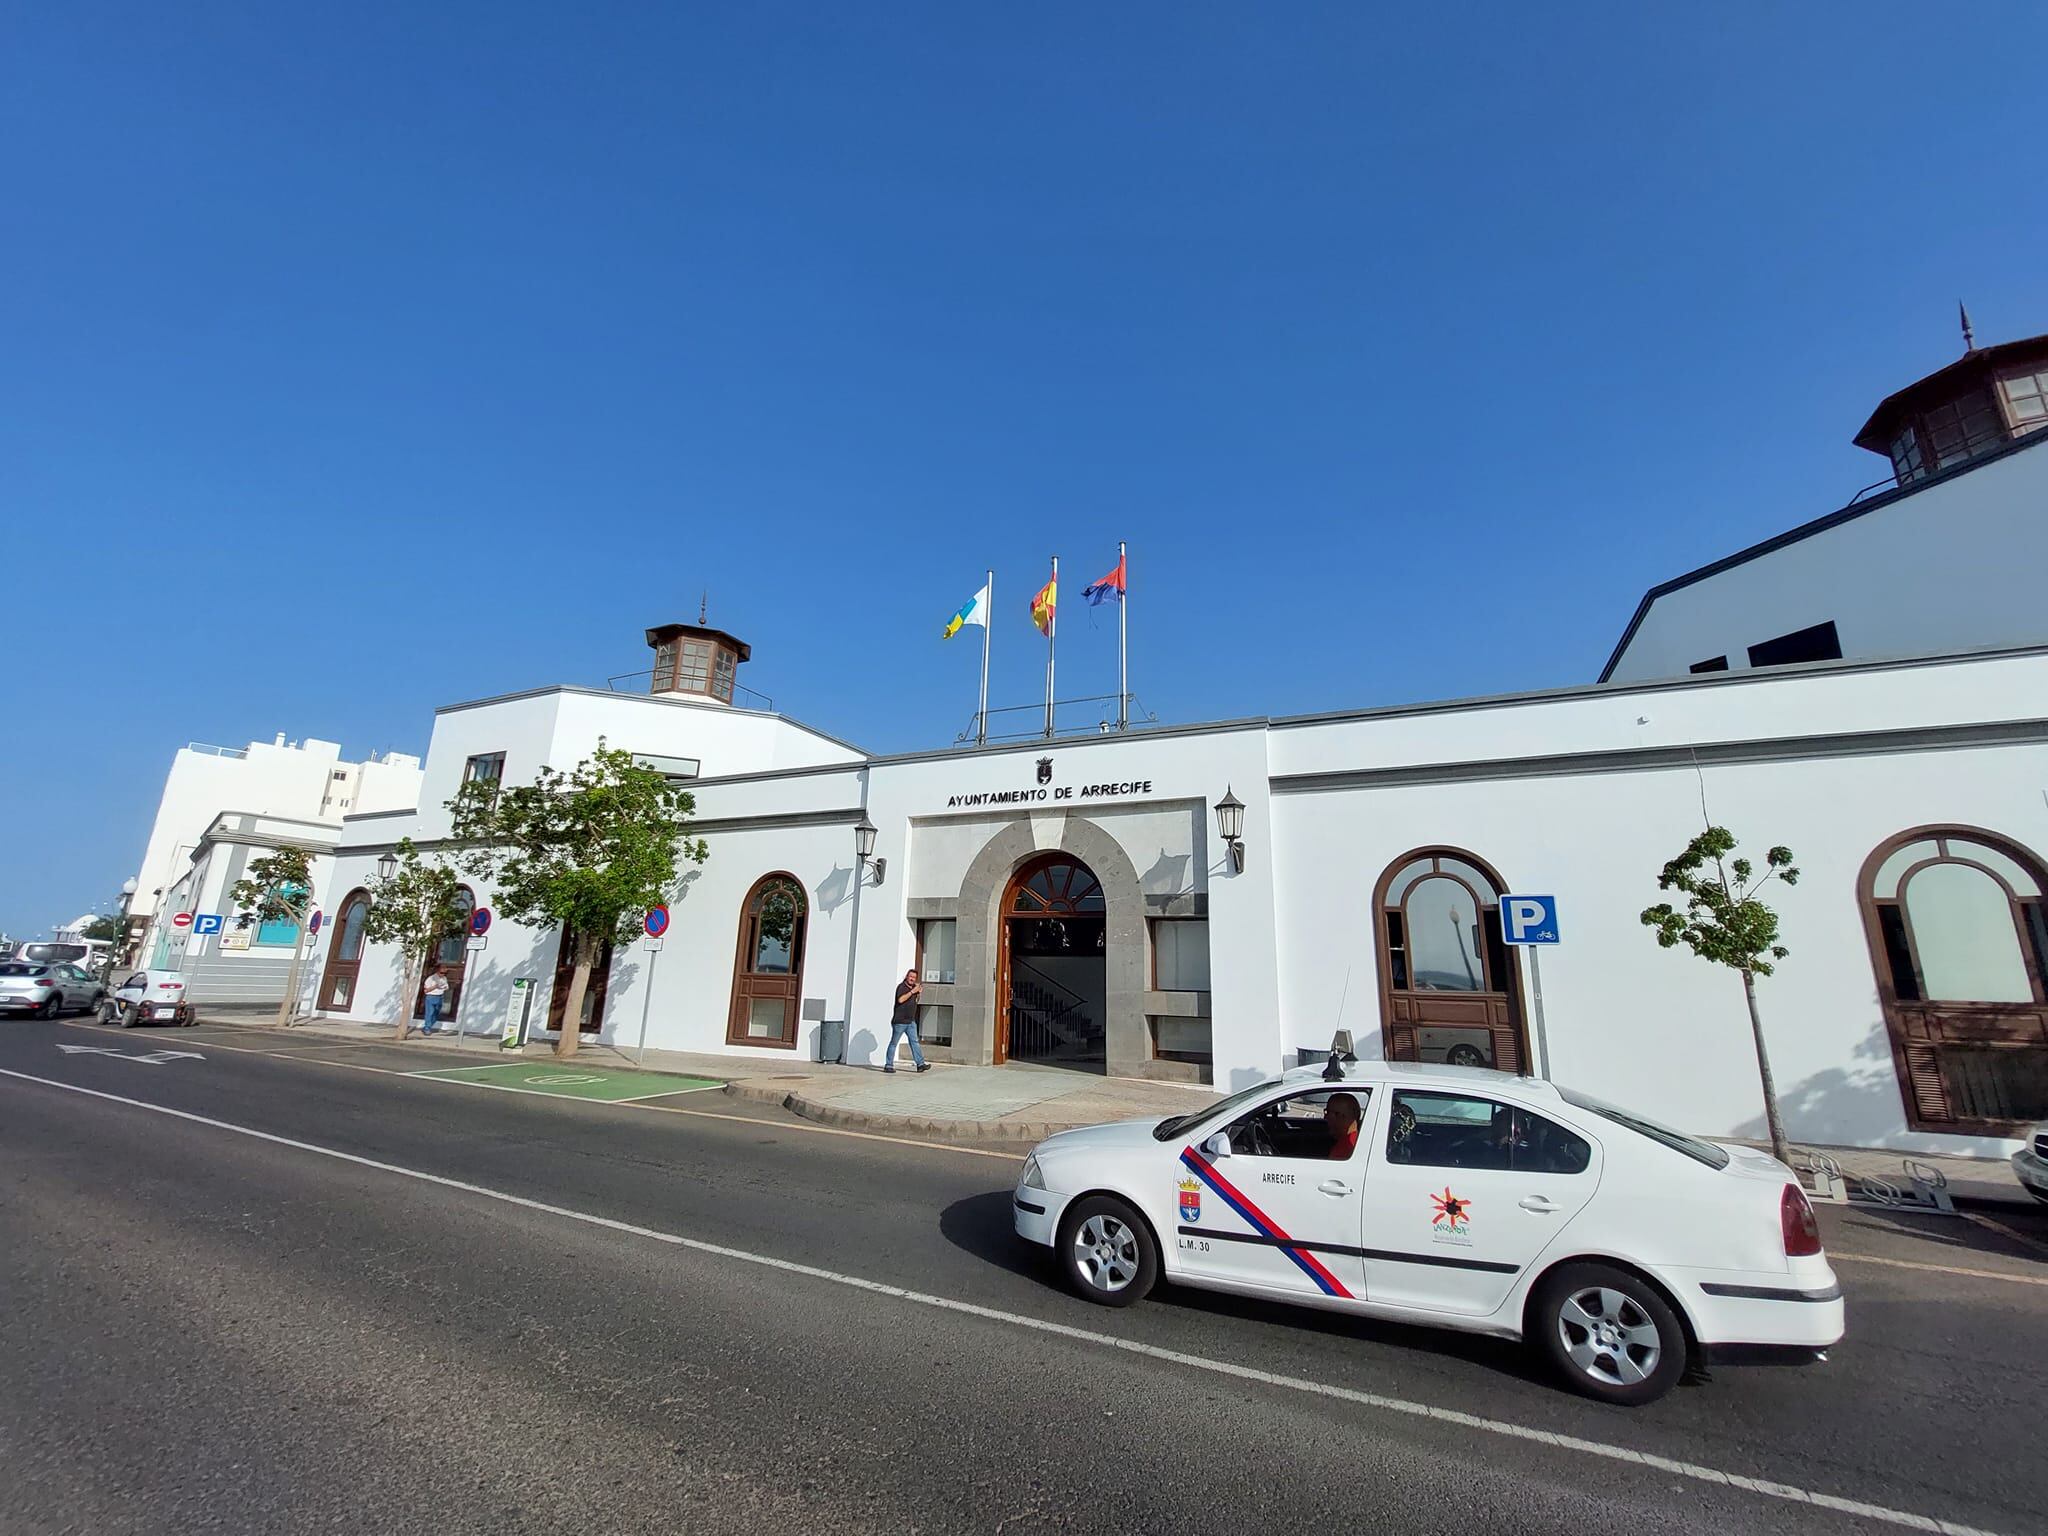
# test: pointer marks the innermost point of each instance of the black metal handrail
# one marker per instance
(613, 682)
(1135, 714)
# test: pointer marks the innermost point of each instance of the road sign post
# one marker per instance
(1530, 922)
(655, 925)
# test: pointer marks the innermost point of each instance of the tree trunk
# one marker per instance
(407, 992)
(288, 1010)
(571, 1033)
(1779, 1148)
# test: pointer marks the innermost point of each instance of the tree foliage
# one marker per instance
(418, 907)
(1727, 922)
(1724, 920)
(278, 887)
(104, 930)
(591, 849)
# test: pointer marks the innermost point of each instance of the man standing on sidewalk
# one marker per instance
(903, 1022)
(435, 991)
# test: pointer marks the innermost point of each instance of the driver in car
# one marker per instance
(1341, 1116)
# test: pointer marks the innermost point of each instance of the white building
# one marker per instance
(248, 962)
(299, 784)
(1946, 555)
(1076, 900)
(1071, 901)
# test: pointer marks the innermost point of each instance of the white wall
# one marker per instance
(1952, 566)
(266, 779)
(1657, 1030)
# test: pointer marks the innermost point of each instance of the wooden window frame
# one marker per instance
(1400, 1022)
(748, 984)
(1918, 1028)
(324, 999)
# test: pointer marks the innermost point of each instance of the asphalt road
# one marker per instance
(207, 1330)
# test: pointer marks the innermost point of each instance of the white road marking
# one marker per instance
(1937, 1269)
(154, 1058)
(1693, 1470)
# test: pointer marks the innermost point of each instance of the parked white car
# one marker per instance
(2031, 1162)
(1457, 1197)
(149, 997)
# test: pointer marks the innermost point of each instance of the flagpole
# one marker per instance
(1052, 625)
(987, 623)
(1123, 645)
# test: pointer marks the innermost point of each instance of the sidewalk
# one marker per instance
(1015, 1105)
(1010, 1106)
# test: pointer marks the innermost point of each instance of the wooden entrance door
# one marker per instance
(1449, 986)
(593, 993)
(345, 954)
(452, 955)
(768, 965)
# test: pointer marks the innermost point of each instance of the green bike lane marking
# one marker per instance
(572, 1082)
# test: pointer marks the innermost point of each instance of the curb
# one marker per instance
(1018, 1134)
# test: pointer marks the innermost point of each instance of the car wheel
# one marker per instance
(1608, 1333)
(1465, 1056)
(108, 1012)
(53, 1006)
(1108, 1251)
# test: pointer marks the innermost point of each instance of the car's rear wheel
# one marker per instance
(53, 1005)
(1107, 1251)
(109, 1011)
(1465, 1056)
(1609, 1333)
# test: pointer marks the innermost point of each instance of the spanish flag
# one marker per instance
(973, 611)
(1042, 606)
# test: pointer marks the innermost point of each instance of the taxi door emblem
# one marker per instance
(1190, 1201)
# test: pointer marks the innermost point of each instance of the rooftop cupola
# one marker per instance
(1982, 401)
(694, 660)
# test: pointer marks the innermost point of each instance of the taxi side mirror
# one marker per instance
(1217, 1145)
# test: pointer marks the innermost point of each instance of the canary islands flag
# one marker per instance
(1042, 606)
(973, 611)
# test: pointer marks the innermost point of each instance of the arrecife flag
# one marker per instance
(1043, 605)
(973, 611)
(1111, 585)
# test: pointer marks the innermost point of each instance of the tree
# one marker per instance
(417, 908)
(279, 888)
(102, 930)
(591, 850)
(1725, 921)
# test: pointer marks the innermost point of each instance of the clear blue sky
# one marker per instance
(355, 360)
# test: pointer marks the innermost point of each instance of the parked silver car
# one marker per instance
(46, 990)
(2030, 1163)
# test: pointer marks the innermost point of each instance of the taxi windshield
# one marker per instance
(1167, 1129)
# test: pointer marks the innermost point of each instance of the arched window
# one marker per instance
(1958, 935)
(768, 967)
(1449, 990)
(345, 954)
(452, 955)
(1055, 884)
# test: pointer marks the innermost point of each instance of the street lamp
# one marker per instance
(1230, 827)
(864, 847)
(387, 867)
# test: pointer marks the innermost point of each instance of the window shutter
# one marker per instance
(1930, 1093)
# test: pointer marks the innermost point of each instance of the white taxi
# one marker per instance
(1454, 1197)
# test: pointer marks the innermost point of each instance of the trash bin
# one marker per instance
(831, 1039)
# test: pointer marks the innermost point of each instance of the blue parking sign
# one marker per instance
(208, 922)
(1528, 919)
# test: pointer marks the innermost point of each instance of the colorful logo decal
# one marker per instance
(1453, 1214)
(1190, 1201)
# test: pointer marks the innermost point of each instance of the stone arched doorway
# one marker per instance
(1005, 867)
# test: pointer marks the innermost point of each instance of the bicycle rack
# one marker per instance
(1925, 1190)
